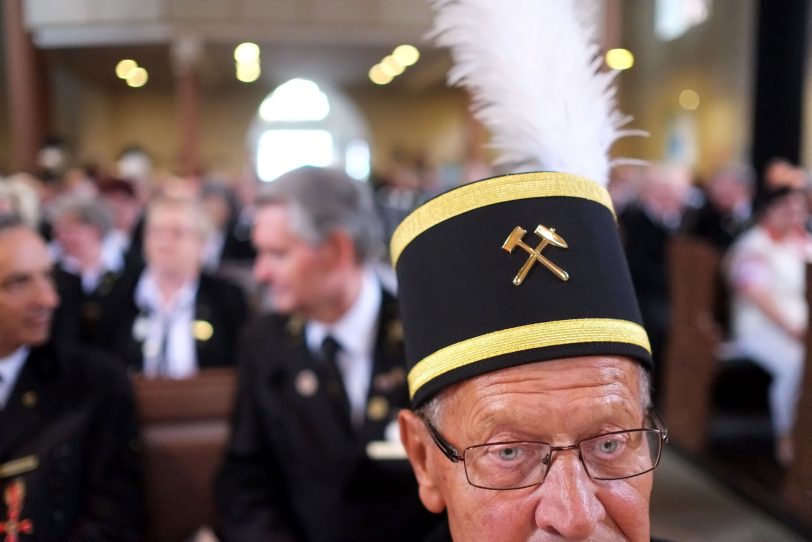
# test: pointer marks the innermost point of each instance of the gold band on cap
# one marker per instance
(491, 191)
(517, 339)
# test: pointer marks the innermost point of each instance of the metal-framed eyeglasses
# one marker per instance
(518, 464)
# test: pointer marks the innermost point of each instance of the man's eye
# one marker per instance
(508, 453)
(608, 446)
(15, 284)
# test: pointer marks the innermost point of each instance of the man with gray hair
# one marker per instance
(314, 452)
(70, 468)
(87, 266)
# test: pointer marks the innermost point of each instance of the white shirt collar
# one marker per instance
(166, 330)
(147, 295)
(356, 330)
(10, 367)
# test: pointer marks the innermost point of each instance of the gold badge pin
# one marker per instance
(306, 383)
(30, 399)
(295, 326)
(202, 330)
(377, 408)
(548, 237)
(394, 333)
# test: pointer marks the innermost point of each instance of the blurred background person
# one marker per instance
(126, 208)
(780, 172)
(766, 268)
(624, 186)
(227, 244)
(727, 207)
(171, 319)
(69, 460)
(646, 227)
(19, 196)
(321, 379)
(80, 226)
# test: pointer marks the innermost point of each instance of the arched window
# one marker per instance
(301, 124)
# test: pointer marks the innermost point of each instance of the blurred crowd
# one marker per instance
(762, 230)
(159, 271)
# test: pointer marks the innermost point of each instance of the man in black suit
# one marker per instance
(69, 467)
(314, 452)
(169, 319)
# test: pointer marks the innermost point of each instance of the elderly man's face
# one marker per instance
(27, 294)
(297, 273)
(560, 402)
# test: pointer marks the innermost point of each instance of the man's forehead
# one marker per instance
(172, 214)
(20, 249)
(551, 380)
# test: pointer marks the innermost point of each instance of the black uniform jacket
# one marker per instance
(218, 303)
(295, 469)
(69, 451)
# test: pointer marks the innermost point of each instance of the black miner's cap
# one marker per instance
(513, 270)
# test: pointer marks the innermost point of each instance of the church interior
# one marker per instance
(233, 93)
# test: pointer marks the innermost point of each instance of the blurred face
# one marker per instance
(173, 244)
(77, 238)
(217, 209)
(726, 193)
(125, 210)
(788, 215)
(296, 272)
(27, 294)
(560, 402)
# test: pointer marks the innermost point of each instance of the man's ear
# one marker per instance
(419, 447)
(338, 248)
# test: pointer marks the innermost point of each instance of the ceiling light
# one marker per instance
(391, 66)
(378, 76)
(406, 55)
(689, 99)
(248, 72)
(295, 101)
(619, 59)
(246, 52)
(137, 77)
(124, 67)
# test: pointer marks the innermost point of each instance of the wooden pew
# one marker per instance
(691, 363)
(184, 425)
(798, 481)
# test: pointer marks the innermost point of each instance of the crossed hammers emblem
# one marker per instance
(548, 237)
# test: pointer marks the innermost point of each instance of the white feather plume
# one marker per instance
(533, 71)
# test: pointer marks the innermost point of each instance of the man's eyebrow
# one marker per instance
(14, 277)
(595, 421)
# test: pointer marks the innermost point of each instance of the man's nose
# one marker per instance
(263, 270)
(47, 295)
(568, 506)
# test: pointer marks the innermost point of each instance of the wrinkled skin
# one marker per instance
(559, 402)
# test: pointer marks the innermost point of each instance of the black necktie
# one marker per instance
(334, 383)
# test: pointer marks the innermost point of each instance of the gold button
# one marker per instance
(30, 399)
(377, 408)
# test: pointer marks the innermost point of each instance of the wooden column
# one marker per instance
(27, 91)
(186, 54)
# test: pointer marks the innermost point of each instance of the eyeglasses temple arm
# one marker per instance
(447, 449)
